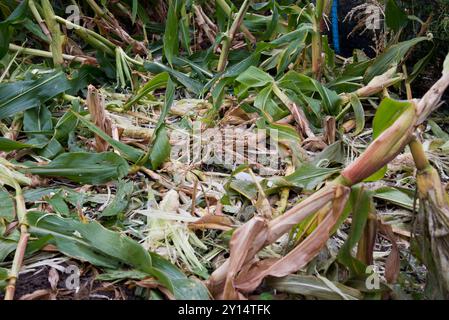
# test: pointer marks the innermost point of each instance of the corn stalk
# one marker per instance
(432, 223)
(13, 179)
(57, 39)
(229, 36)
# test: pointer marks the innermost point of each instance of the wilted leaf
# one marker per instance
(212, 222)
(313, 286)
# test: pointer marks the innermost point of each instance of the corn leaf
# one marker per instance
(389, 110)
(16, 16)
(10, 145)
(312, 286)
(395, 17)
(157, 82)
(105, 248)
(128, 152)
(361, 204)
(171, 45)
(23, 95)
(359, 114)
(392, 56)
(160, 149)
(306, 177)
(84, 167)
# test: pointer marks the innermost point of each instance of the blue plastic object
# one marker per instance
(335, 29)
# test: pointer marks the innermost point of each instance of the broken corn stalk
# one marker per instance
(432, 224)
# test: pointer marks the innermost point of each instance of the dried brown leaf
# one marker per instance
(209, 221)
(302, 254)
(95, 104)
(393, 263)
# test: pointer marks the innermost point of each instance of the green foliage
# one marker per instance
(23, 95)
(84, 167)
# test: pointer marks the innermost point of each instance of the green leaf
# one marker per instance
(7, 246)
(171, 33)
(160, 149)
(184, 28)
(128, 152)
(401, 197)
(90, 241)
(157, 82)
(189, 83)
(23, 95)
(307, 177)
(254, 77)
(307, 87)
(37, 120)
(392, 56)
(16, 16)
(359, 114)
(6, 205)
(182, 287)
(105, 248)
(58, 204)
(65, 125)
(395, 17)
(388, 112)
(84, 167)
(335, 153)
(299, 33)
(361, 203)
(246, 188)
(121, 199)
(419, 66)
(288, 136)
(437, 131)
(134, 10)
(269, 109)
(10, 145)
(4, 275)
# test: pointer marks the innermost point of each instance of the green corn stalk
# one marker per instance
(227, 9)
(57, 39)
(13, 179)
(317, 46)
(227, 40)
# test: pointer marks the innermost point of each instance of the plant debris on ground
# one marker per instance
(223, 149)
